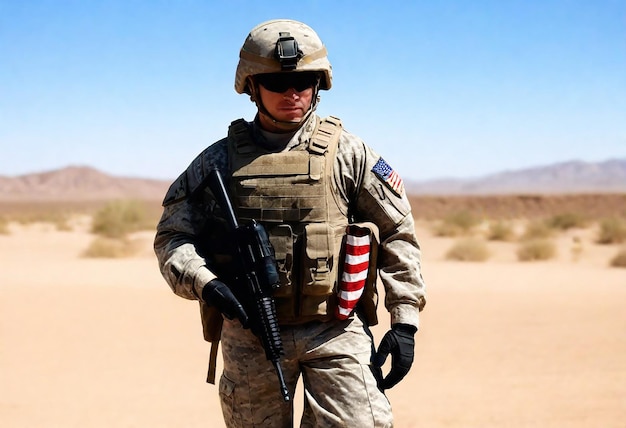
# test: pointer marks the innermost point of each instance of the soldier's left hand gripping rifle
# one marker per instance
(257, 277)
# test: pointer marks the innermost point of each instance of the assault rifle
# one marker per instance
(256, 278)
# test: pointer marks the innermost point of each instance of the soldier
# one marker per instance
(337, 217)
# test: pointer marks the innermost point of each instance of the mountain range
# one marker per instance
(86, 183)
(560, 178)
(79, 183)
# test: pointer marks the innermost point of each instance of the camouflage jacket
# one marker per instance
(363, 180)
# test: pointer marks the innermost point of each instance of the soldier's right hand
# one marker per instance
(216, 293)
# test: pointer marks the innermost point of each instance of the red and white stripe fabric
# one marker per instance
(355, 269)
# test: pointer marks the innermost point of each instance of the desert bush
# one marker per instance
(537, 229)
(566, 221)
(592, 207)
(612, 231)
(110, 248)
(56, 217)
(59, 219)
(62, 223)
(4, 226)
(457, 223)
(468, 250)
(619, 260)
(500, 231)
(119, 218)
(536, 249)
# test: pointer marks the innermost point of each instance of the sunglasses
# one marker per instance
(281, 82)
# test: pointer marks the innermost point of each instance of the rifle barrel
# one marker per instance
(216, 184)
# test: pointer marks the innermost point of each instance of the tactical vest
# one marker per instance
(290, 193)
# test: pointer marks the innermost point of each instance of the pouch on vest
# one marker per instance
(282, 239)
(317, 260)
(357, 279)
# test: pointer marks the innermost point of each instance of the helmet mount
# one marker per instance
(287, 52)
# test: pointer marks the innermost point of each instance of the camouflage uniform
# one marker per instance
(333, 356)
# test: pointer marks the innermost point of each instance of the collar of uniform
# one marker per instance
(307, 129)
(282, 142)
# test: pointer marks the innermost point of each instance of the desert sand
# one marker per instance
(105, 343)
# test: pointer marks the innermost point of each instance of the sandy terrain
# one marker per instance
(104, 343)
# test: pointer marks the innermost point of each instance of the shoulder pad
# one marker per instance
(333, 120)
(177, 191)
(239, 136)
(194, 178)
(326, 135)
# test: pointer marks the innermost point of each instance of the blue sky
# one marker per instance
(438, 88)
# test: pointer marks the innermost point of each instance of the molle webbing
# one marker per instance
(285, 186)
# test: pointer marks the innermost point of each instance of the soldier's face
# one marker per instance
(288, 106)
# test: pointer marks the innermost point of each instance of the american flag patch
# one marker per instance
(389, 176)
(355, 269)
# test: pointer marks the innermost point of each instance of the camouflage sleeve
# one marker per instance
(374, 192)
(182, 223)
(175, 246)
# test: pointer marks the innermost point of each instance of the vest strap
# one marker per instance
(239, 133)
(327, 133)
(210, 378)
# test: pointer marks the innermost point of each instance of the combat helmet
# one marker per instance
(282, 45)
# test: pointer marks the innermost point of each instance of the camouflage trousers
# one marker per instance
(334, 361)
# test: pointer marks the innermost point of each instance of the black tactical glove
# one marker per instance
(216, 293)
(400, 343)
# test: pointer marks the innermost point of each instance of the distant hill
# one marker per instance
(82, 183)
(79, 183)
(561, 178)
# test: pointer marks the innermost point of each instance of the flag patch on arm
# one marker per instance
(389, 176)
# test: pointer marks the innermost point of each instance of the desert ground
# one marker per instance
(104, 343)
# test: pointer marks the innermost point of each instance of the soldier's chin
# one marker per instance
(292, 118)
(285, 123)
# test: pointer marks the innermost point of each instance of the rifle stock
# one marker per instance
(256, 279)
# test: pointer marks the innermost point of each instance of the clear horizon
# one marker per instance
(445, 89)
(408, 181)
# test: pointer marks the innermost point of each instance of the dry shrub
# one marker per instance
(536, 249)
(62, 224)
(110, 248)
(567, 221)
(537, 230)
(59, 219)
(468, 250)
(612, 231)
(593, 207)
(500, 231)
(4, 226)
(619, 260)
(53, 217)
(457, 223)
(119, 218)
